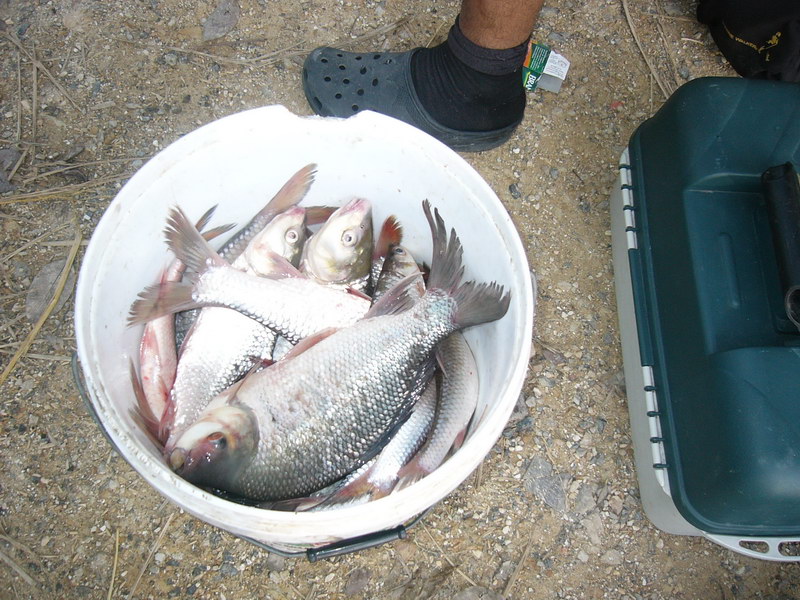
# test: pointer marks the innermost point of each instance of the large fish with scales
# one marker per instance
(305, 422)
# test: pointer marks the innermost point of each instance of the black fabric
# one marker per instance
(759, 39)
(471, 88)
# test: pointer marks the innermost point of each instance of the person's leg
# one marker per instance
(499, 24)
(466, 91)
(473, 80)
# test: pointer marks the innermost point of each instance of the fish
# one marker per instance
(398, 264)
(305, 422)
(290, 194)
(158, 356)
(459, 397)
(287, 302)
(340, 252)
(391, 234)
(223, 345)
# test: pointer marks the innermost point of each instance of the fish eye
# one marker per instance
(348, 237)
(398, 251)
(292, 235)
(218, 439)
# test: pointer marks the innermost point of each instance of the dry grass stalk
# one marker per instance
(12, 37)
(153, 549)
(69, 167)
(114, 568)
(513, 579)
(447, 558)
(60, 285)
(33, 242)
(641, 49)
(18, 569)
(73, 187)
(47, 357)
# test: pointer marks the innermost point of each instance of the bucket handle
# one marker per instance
(355, 544)
(771, 552)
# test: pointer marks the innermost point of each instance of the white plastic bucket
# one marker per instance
(239, 162)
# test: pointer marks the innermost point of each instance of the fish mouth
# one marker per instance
(177, 459)
(357, 205)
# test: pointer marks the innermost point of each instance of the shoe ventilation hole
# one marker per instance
(323, 60)
(358, 57)
(342, 67)
(339, 55)
(346, 81)
(389, 61)
(374, 82)
(362, 70)
(338, 96)
(355, 107)
(360, 92)
(376, 56)
(326, 78)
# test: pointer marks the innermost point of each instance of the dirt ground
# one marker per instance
(89, 90)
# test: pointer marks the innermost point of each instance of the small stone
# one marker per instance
(583, 557)
(611, 557)
(276, 562)
(228, 570)
(159, 557)
(358, 581)
(515, 191)
(477, 593)
(171, 59)
(540, 481)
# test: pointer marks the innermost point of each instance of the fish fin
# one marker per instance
(459, 439)
(215, 231)
(308, 342)
(188, 244)
(281, 267)
(316, 215)
(354, 292)
(391, 234)
(397, 299)
(291, 193)
(297, 504)
(161, 299)
(360, 486)
(411, 472)
(205, 218)
(143, 409)
(476, 302)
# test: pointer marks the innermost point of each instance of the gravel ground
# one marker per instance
(553, 512)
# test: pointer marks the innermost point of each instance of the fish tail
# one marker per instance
(292, 192)
(360, 486)
(143, 409)
(188, 244)
(411, 473)
(161, 299)
(391, 234)
(476, 302)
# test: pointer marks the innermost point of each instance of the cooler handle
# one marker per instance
(773, 552)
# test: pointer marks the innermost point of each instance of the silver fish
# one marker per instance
(158, 355)
(305, 422)
(459, 397)
(398, 264)
(290, 194)
(223, 344)
(391, 234)
(289, 303)
(340, 252)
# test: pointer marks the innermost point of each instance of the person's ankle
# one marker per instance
(469, 88)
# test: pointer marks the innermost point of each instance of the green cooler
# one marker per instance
(712, 361)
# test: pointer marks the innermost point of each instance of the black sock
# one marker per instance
(467, 87)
